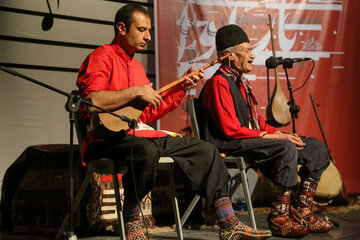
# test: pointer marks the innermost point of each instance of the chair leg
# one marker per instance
(119, 210)
(177, 218)
(247, 194)
(175, 204)
(235, 186)
(189, 209)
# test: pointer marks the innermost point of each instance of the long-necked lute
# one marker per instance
(135, 108)
(330, 185)
(278, 111)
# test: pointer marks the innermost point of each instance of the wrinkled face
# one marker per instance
(242, 58)
(136, 38)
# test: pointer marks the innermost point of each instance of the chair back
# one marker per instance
(230, 161)
(193, 102)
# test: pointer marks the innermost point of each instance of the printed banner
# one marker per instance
(323, 30)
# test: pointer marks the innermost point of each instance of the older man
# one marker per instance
(230, 121)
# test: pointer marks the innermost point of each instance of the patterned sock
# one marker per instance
(133, 224)
(225, 213)
(132, 214)
(231, 228)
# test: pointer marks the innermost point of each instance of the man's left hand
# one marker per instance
(292, 137)
(191, 80)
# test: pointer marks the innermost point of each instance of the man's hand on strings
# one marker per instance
(191, 80)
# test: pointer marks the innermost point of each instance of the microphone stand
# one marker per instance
(72, 106)
(294, 109)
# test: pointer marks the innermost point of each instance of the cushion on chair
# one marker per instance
(101, 209)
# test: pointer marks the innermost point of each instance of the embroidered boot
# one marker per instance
(279, 221)
(303, 204)
(230, 227)
(133, 225)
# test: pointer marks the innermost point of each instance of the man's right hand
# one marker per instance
(112, 100)
(148, 94)
(293, 137)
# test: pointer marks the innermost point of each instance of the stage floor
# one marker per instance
(348, 221)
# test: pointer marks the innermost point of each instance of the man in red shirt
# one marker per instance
(230, 121)
(111, 77)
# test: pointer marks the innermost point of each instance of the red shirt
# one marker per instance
(218, 99)
(110, 68)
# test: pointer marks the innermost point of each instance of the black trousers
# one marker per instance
(200, 161)
(278, 159)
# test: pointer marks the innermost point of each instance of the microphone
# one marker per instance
(273, 62)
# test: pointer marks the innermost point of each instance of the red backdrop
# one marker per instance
(326, 31)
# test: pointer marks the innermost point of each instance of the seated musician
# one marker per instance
(111, 77)
(230, 121)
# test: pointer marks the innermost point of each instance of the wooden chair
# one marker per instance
(230, 162)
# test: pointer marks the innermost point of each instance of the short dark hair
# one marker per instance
(125, 13)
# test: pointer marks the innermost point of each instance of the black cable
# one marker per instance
(307, 76)
(134, 182)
